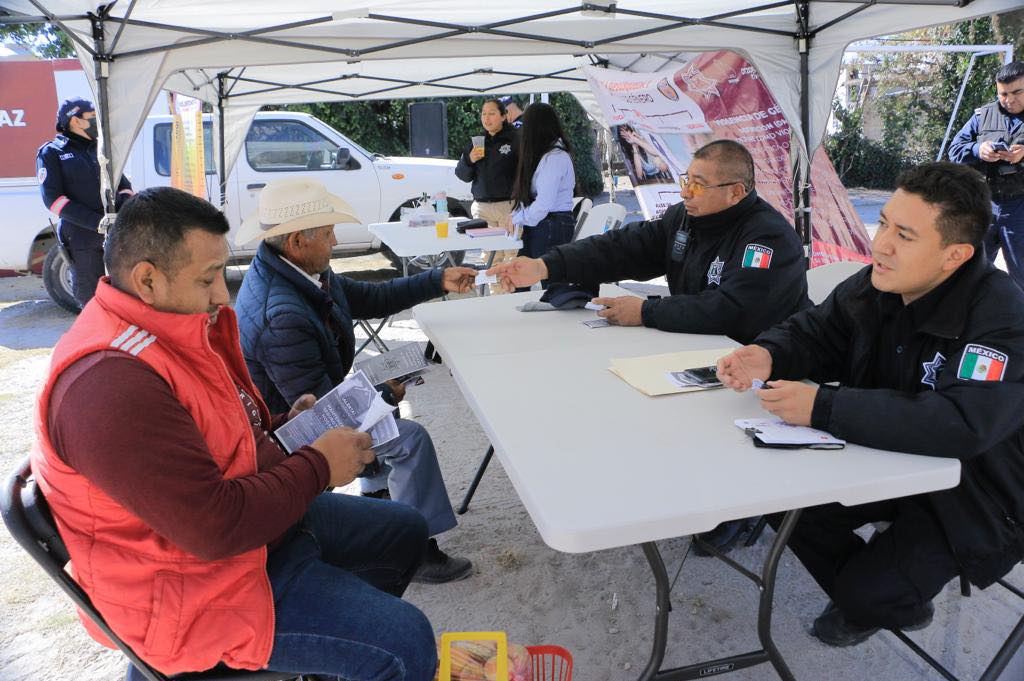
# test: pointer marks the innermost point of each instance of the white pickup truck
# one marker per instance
(278, 144)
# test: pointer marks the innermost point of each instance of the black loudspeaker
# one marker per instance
(428, 129)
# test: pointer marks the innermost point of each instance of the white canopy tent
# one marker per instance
(132, 47)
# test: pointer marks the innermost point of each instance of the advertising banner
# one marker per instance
(188, 157)
(660, 119)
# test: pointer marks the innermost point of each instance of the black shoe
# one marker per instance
(723, 537)
(833, 629)
(438, 567)
(384, 494)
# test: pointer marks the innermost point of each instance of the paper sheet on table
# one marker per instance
(775, 431)
(649, 374)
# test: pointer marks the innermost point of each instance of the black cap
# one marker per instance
(71, 108)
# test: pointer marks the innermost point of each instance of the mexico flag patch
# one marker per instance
(982, 364)
(757, 256)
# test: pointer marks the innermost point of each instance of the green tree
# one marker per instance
(45, 40)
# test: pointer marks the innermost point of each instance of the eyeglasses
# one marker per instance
(697, 188)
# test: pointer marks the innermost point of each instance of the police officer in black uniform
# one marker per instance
(69, 180)
(734, 265)
(993, 141)
(927, 345)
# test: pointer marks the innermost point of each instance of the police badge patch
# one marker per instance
(932, 369)
(505, 148)
(41, 175)
(715, 272)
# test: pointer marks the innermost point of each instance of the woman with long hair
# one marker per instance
(545, 179)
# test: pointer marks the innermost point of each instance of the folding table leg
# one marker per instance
(464, 506)
(764, 612)
(766, 583)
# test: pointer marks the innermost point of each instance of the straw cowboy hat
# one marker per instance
(293, 205)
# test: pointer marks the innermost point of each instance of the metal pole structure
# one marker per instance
(956, 106)
(221, 96)
(101, 64)
(802, 185)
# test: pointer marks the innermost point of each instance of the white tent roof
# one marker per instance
(418, 37)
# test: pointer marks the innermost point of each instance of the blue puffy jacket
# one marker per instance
(286, 339)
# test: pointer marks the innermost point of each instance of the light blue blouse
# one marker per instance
(552, 188)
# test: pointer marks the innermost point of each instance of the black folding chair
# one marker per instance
(1003, 655)
(27, 516)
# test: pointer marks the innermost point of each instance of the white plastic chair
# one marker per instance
(603, 217)
(580, 210)
(821, 280)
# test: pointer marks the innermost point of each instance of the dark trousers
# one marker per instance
(554, 230)
(887, 581)
(337, 585)
(1007, 232)
(85, 250)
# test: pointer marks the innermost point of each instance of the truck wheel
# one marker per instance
(57, 279)
(423, 263)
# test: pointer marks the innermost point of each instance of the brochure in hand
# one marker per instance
(355, 403)
(403, 361)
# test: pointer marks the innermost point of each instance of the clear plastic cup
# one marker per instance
(478, 142)
(441, 225)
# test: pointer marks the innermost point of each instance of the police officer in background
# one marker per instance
(69, 180)
(993, 142)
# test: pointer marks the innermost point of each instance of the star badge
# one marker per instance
(932, 369)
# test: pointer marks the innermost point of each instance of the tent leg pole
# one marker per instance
(221, 96)
(804, 177)
(101, 66)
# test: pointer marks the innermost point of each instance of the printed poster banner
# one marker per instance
(188, 164)
(660, 119)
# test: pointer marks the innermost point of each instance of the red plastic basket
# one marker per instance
(550, 663)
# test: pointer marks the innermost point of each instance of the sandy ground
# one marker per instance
(598, 605)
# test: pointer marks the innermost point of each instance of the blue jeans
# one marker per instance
(337, 585)
(413, 476)
(554, 230)
(1007, 232)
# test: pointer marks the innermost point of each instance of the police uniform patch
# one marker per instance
(932, 369)
(505, 148)
(757, 256)
(41, 175)
(715, 272)
(980, 363)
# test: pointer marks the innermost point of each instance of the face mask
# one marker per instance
(90, 129)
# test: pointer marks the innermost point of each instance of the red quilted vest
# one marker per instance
(178, 612)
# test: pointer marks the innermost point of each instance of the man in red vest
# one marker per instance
(198, 540)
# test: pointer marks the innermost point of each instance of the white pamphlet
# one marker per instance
(402, 361)
(355, 403)
(775, 431)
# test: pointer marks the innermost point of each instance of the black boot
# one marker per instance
(438, 567)
(723, 537)
(833, 629)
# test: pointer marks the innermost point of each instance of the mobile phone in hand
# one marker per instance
(1000, 146)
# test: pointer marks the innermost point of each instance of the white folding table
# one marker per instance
(414, 242)
(567, 431)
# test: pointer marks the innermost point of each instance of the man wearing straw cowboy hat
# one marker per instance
(295, 316)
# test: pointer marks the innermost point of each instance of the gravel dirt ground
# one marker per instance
(598, 605)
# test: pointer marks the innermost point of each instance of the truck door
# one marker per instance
(279, 147)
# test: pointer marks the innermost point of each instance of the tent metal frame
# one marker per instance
(103, 54)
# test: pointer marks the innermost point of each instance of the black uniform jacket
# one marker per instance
(957, 391)
(493, 175)
(69, 181)
(741, 271)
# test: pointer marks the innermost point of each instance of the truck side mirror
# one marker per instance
(343, 160)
